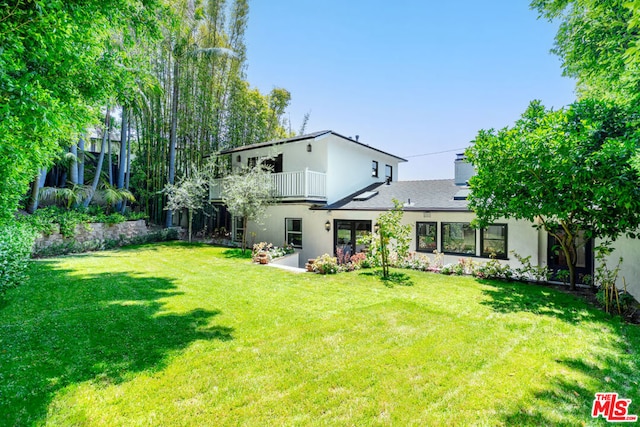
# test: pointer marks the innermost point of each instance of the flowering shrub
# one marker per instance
(271, 251)
(414, 261)
(493, 269)
(358, 259)
(326, 264)
(343, 256)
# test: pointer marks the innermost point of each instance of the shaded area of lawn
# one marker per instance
(66, 329)
(612, 366)
(515, 297)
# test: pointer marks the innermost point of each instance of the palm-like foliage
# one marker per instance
(67, 196)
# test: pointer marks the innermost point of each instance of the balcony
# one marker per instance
(302, 185)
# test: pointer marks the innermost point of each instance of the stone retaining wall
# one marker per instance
(97, 232)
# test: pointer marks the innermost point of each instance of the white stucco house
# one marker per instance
(331, 189)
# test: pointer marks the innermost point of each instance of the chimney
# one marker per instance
(357, 137)
(463, 170)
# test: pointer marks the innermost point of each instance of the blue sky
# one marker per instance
(410, 77)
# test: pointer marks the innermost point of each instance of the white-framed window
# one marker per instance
(293, 232)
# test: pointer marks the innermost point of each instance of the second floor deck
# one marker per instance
(299, 185)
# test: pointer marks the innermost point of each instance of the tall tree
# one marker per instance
(567, 171)
(190, 194)
(247, 193)
(598, 44)
(53, 72)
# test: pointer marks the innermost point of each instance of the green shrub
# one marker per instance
(45, 220)
(16, 242)
(326, 264)
(493, 269)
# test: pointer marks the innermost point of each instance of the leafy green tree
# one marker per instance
(190, 194)
(597, 42)
(391, 234)
(247, 193)
(567, 171)
(54, 70)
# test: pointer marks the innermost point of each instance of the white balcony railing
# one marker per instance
(304, 184)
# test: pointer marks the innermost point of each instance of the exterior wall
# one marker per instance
(317, 241)
(520, 234)
(295, 156)
(629, 250)
(522, 237)
(349, 167)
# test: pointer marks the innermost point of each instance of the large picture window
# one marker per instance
(426, 236)
(458, 238)
(293, 227)
(494, 241)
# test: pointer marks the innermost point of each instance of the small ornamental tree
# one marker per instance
(568, 171)
(190, 194)
(247, 193)
(391, 234)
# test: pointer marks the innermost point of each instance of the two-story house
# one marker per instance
(311, 171)
(331, 190)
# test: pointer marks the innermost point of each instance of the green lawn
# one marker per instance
(191, 335)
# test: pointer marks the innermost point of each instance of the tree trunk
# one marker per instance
(36, 185)
(190, 223)
(110, 161)
(73, 167)
(571, 264)
(128, 162)
(103, 148)
(81, 161)
(122, 159)
(245, 223)
(172, 136)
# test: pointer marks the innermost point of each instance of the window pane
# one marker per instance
(494, 232)
(494, 241)
(294, 225)
(293, 233)
(458, 238)
(426, 233)
(294, 239)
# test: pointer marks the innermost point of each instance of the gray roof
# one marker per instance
(428, 195)
(302, 138)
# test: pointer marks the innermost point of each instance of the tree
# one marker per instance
(598, 44)
(54, 70)
(190, 194)
(567, 171)
(247, 193)
(391, 234)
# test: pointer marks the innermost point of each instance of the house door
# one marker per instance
(346, 234)
(556, 259)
